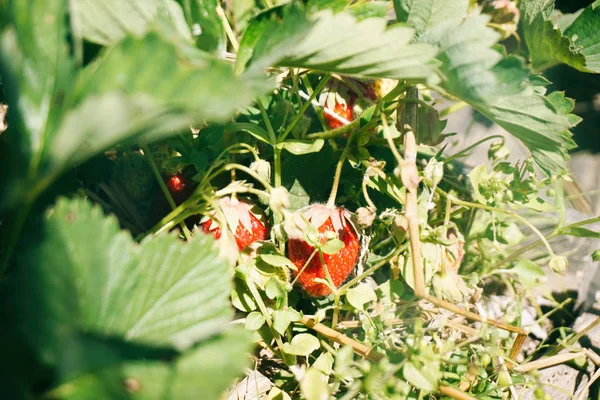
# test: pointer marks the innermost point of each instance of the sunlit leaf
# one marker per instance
(360, 295)
(529, 273)
(108, 21)
(422, 14)
(503, 89)
(300, 147)
(578, 46)
(302, 345)
(334, 43)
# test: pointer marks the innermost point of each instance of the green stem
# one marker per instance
(464, 152)
(500, 210)
(535, 244)
(337, 177)
(453, 108)
(267, 121)
(164, 189)
(365, 192)
(17, 227)
(342, 289)
(277, 166)
(390, 140)
(228, 31)
(304, 107)
(318, 110)
(337, 132)
(240, 167)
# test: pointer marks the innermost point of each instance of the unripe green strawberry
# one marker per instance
(162, 153)
(134, 174)
(379, 88)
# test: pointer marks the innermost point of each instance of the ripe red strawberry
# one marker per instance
(243, 219)
(340, 264)
(343, 110)
(176, 183)
(179, 187)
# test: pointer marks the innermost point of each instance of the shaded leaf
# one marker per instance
(256, 131)
(205, 25)
(585, 34)
(208, 369)
(545, 42)
(86, 275)
(298, 197)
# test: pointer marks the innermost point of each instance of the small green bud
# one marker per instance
(262, 169)
(365, 216)
(558, 264)
(596, 255)
(433, 172)
(279, 199)
(485, 359)
(498, 151)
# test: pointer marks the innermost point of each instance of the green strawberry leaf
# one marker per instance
(580, 232)
(288, 37)
(503, 89)
(302, 345)
(278, 261)
(332, 246)
(283, 318)
(585, 34)
(207, 28)
(313, 385)
(300, 147)
(119, 97)
(254, 321)
(529, 273)
(360, 295)
(86, 276)
(545, 42)
(37, 71)
(107, 22)
(208, 369)
(423, 14)
(421, 376)
(577, 47)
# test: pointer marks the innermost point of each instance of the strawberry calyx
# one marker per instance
(331, 223)
(244, 220)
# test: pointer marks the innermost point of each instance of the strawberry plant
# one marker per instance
(203, 199)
